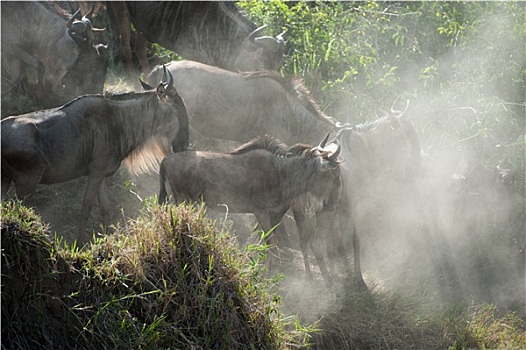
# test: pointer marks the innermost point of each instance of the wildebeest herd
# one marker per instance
(232, 91)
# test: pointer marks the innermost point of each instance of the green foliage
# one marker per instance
(356, 55)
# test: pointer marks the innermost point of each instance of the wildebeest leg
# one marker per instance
(41, 91)
(163, 194)
(6, 183)
(323, 223)
(104, 203)
(305, 237)
(26, 185)
(358, 278)
(266, 226)
(89, 198)
(280, 233)
(337, 246)
(26, 57)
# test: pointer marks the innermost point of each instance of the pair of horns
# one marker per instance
(167, 75)
(268, 42)
(81, 24)
(336, 153)
(76, 15)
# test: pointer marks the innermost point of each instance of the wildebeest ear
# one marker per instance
(161, 91)
(145, 86)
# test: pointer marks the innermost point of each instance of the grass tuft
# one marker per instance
(169, 280)
(391, 320)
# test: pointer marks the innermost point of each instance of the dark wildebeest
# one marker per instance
(263, 177)
(240, 106)
(211, 32)
(91, 136)
(60, 51)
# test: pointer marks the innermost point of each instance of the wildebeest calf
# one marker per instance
(263, 177)
(91, 136)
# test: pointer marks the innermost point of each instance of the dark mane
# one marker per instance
(301, 149)
(123, 96)
(266, 142)
(275, 147)
(113, 96)
(296, 87)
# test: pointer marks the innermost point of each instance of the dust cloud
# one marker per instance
(454, 231)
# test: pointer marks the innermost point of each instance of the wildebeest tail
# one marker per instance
(162, 181)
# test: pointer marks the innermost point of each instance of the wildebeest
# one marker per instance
(240, 106)
(263, 177)
(211, 32)
(380, 155)
(59, 50)
(91, 136)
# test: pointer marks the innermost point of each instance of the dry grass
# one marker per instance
(391, 320)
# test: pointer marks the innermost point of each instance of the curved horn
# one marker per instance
(70, 21)
(165, 75)
(252, 36)
(281, 37)
(89, 15)
(145, 86)
(341, 130)
(268, 43)
(171, 80)
(401, 113)
(336, 153)
(405, 109)
(324, 142)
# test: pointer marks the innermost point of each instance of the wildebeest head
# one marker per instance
(324, 181)
(62, 51)
(86, 71)
(81, 30)
(172, 105)
(263, 52)
(388, 146)
(332, 174)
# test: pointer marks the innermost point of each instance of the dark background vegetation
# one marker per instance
(461, 66)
